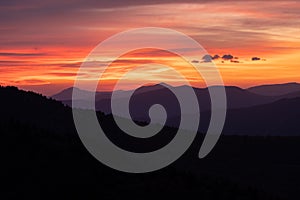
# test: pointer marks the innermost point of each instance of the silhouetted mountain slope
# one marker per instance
(34, 109)
(275, 89)
(40, 159)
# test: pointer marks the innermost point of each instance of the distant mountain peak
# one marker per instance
(66, 94)
(164, 84)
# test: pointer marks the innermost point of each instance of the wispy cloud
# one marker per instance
(9, 54)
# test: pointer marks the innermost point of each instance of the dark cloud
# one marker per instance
(215, 57)
(69, 65)
(47, 4)
(22, 54)
(195, 61)
(207, 58)
(62, 74)
(231, 58)
(255, 58)
(30, 81)
(227, 57)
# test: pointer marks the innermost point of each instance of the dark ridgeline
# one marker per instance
(43, 157)
(237, 97)
(275, 89)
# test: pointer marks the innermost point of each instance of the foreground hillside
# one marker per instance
(42, 157)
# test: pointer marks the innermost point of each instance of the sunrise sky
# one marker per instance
(43, 43)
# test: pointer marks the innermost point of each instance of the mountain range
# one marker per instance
(236, 97)
(279, 117)
(260, 110)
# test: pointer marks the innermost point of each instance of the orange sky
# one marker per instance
(44, 42)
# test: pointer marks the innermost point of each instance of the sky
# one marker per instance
(43, 43)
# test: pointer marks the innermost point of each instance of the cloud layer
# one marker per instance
(251, 41)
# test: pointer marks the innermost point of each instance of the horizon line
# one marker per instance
(161, 84)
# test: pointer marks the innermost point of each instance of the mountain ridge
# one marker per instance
(236, 97)
(275, 89)
(276, 118)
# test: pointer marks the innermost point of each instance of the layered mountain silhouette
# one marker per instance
(248, 113)
(42, 155)
(236, 97)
